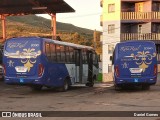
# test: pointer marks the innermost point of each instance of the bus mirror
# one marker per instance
(111, 58)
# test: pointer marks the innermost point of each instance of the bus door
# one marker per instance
(77, 65)
(90, 66)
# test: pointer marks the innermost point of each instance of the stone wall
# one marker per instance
(158, 68)
(107, 77)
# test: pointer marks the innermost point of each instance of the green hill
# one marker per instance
(32, 25)
(37, 21)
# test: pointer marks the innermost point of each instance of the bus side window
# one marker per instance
(67, 55)
(63, 54)
(48, 52)
(58, 53)
(84, 55)
(71, 50)
(53, 52)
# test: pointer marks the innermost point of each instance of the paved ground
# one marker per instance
(102, 97)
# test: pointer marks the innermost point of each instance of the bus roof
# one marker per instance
(71, 44)
(137, 41)
(58, 42)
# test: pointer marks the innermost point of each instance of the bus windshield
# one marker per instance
(22, 49)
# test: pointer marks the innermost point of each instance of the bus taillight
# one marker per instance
(117, 70)
(40, 69)
(4, 69)
(155, 69)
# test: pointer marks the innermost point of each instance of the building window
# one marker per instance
(158, 53)
(111, 8)
(158, 28)
(110, 49)
(156, 7)
(109, 68)
(111, 29)
(139, 29)
(154, 28)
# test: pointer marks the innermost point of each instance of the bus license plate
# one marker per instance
(21, 80)
(21, 69)
(135, 70)
(135, 80)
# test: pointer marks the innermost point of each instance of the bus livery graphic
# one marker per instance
(143, 59)
(25, 57)
(29, 53)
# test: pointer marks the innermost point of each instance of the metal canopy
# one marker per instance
(24, 7)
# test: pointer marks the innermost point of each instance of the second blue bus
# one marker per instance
(135, 63)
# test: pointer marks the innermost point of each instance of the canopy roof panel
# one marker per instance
(24, 7)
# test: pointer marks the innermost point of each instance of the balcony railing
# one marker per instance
(140, 15)
(101, 3)
(141, 36)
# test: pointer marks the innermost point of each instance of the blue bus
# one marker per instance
(41, 62)
(1, 67)
(134, 63)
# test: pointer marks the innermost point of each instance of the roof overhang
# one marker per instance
(25, 7)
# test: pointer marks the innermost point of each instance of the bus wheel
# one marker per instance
(90, 84)
(65, 86)
(117, 88)
(145, 87)
(36, 87)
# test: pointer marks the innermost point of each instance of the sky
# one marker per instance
(87, 14)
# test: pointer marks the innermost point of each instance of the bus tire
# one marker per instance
(117, 88)
(65, 86)
(36, 87)
(89, 84)
(145, 87)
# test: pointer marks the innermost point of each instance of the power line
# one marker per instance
(83, 15)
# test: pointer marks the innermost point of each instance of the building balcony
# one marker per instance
(101, 3)
(140, 36)
(140, 16)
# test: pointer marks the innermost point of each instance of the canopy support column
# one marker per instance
(53, 23)
(3, 18)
